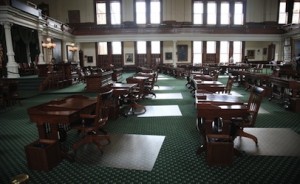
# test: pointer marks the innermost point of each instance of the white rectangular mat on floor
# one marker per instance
(125, 151)
(161, 96)
(161, 110)
(271, 142)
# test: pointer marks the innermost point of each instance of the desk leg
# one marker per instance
(200, 127)
(42, 131)
(54, 131)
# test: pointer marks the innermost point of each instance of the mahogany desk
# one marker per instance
(289, 84)
(217, 99)
(210, 86)
(207, 112)
(51, 115)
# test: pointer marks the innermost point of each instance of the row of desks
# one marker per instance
(286, 89)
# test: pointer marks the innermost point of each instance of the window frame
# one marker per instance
(236, 54)
(296, 14)
(242, 14)
(119, 13)
(209, 20)
(224, 14)
(155, 12)
(226, 60)
(113, 49)
(139, 47)
(197, 15)
(98, 22)
(197, 52)
(157, 44)
(102, 47)
(140, 14)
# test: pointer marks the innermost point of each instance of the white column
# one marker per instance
(64, 52)
(12, 66)
(28, 53)
(76, 58)
(175, 54)
(41, 55)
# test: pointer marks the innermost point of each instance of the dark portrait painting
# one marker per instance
(182, 52)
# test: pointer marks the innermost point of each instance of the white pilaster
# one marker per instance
(12, 66)
(28, 53)
(64, 51)
(175, 53)
(41, 55)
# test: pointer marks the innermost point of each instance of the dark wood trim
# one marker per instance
(249, 28)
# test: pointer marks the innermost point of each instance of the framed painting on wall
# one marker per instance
(182, 52)
(251, 54)
(129, 58)
(168, 55)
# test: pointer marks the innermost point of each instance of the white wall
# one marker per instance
(258, 47)
(261, 11)
(88, 50)
(129, 49)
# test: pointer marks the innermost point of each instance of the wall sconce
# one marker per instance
(49, 44)
(73, 48)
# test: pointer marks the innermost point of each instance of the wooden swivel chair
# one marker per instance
(92, 124)
(249, 119)
(135, 95)
(149, 84)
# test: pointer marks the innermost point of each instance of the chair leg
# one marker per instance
(137, 108)
(81, 142)
(247, 135)
(91, 139)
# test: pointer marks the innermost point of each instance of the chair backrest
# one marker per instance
(229, 84)
(140, 88)
(150, 81)
(254, 102)
(102, 110)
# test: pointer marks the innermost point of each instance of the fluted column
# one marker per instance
(28, 53)
(175, 53)
(41, 55)
(64, 52)
(76, 58)
(12, 66)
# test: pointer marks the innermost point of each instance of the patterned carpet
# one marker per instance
(176, 161)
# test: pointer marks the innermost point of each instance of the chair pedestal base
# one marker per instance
(95, 139)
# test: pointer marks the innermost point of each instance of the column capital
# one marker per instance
(7, 25)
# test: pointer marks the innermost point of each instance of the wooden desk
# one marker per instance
(210, 86)
(122, 86)
(120, 89)
(207, 112)
(51, 115)
(141, 78)
(201, 82)
(217, 99)
(289, 84)
(96, 81)
(287, 90)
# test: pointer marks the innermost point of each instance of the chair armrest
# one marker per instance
(87, 116)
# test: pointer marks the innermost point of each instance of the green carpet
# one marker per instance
(177, 161)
